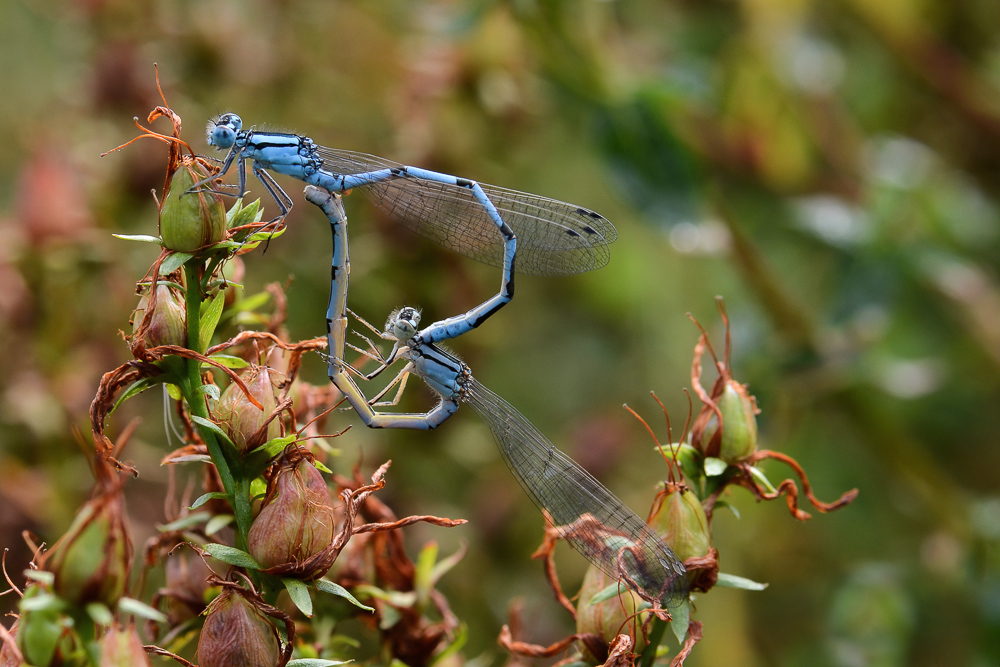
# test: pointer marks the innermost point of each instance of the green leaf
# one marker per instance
(229, 361)
(136, 388)
(732, 581)
(762, 478)
(99, 613)
(608, 592)
(252, 302)
(140, 609)
(41, 601)
(41, 576)
(217, 523)
(681, 616)
(328, 586)
(322, 468)
(173, 262)
(185, 522)
(174, 392)
(144, 238)
(397, 598)
(315, 662)
(232, 556)
(446, 564)
(461, 637)
(211, 426)
(205, 497)
(424, 568)
(211, 312)
(299, 593)
(714, 467)
(210, 390)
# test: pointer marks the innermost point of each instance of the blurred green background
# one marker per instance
(831, 168)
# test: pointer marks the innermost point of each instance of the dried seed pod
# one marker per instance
(168, 322)
(600, 623)
(296, 521)
(244, 421)
(237, 634)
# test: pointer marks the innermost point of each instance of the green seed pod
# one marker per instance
(243, 420)
(91, 562)
(168, 323)
(739, 423)
(681, 522)
(237, 634)
(296, 521)
(123, 648)
(603, 619)
(190, 221)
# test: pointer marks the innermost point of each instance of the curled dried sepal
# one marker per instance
(238, 631)
(296, 521)
(189, 221)
(160, 319)
(247, 424)
(91, 562)
(751, 481)
(123, 648)
(726, 426)
(598, 624)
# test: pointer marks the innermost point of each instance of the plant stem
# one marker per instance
(238, 488)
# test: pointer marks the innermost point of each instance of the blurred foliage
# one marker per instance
(831, 168)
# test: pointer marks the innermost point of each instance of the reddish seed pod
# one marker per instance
(296, 521)
(243, 420)
(237, 634)
(123, 648)
(168, 322)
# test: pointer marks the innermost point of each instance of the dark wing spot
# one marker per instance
(589, 230)
(572, 233)
(590, 214)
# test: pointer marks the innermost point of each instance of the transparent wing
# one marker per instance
(588, 516)
(553, 237)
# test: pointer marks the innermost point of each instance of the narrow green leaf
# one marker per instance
(99, 613)
(185, 522)
(136, 388)
(461, 637)
(322, 468)
(210, 319)
(447, 564)
(232, 556)
(229, 361)
(211, 426)
(140, 609)
(608, 592)
(173, 262)
(732, 581)
(144, 238)
(174, 392)
(681, 616)
(299, 593)
(762, 478)
(252, 302)
(217, 523)
(204, 498)
(315, 662)
(328, 586)
(41, 576)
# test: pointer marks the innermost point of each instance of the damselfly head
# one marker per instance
(222, 130)
(402, 323)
